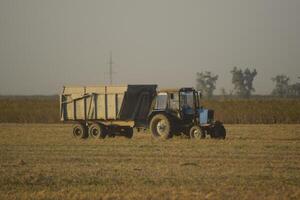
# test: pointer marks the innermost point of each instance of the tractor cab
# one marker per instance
(183, 103)
(188, 102)
(182, 99)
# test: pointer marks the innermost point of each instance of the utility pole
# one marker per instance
(110, 69)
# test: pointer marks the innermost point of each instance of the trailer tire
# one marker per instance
(161, 127)
(128, 132)
(97, 131)
(197, 133)
(80, 131)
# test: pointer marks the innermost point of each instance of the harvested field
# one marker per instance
(39, 161)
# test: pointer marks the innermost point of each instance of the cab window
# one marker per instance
(161, 101)
(174, 101)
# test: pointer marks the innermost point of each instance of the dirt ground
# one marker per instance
(40, 161)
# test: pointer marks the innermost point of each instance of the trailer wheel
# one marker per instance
(218, 130)
(161, 126)
(80, 131)
(197, 133)
(97, 131)
(128, 132)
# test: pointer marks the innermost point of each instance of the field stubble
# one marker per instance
(40, 161)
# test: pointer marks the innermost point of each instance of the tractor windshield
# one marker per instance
(187, 99)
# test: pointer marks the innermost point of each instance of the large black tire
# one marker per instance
(128, 132)
(197, 133)
(97, 131)
(80, 131)
(218, 131)
(161, 127)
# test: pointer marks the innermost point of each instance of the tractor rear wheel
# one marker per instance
(197, 133)
(97, 131)
(80, 131)
(161, 126)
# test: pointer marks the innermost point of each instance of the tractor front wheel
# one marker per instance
(197, 133)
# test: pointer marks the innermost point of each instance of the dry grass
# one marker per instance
(262, 111)
(44, 162)
(253, 111)
(29, 109)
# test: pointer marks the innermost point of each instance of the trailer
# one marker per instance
(100, 111)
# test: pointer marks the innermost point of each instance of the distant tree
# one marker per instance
(297, 87)
(294, 90)
(206, 83)
(243, 81)
(281, 85)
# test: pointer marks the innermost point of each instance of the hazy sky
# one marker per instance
(45, 44)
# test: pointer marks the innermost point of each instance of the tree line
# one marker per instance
(242, 81)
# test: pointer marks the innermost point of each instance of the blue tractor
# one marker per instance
(176, 111)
